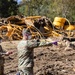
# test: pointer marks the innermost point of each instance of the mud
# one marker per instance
(49, 60)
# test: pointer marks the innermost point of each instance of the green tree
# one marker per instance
(35, 7)
(63, 8)
(8, 8)
(49, 8)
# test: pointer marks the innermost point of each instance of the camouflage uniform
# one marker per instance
(25, 55)
(1, 62)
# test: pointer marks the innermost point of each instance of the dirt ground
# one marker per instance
(49, 60)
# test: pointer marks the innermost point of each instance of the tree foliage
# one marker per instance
(35, 7)
(7, 8)
(49, 8)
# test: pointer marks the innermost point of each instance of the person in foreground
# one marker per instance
(2, 52)
(25, 52)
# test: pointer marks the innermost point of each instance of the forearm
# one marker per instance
(6, 53)
(46, 43)
(39, 43)
(2, 53)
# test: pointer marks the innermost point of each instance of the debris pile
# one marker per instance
(39, 26)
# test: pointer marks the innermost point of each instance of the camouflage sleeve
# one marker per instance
(2, 53)
(44, 43)
(35, 43)
(32, 43)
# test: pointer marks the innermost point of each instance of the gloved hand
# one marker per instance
(9, 52)
(55, 43)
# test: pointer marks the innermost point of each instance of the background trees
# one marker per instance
(49, 8)
(7, 8)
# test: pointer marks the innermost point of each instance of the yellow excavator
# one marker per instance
(59, 24)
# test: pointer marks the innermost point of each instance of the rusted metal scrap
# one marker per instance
(13, 30)
(39, 26)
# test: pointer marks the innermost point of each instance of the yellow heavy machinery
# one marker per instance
(59, 25)
(39, 26)
(13, 30)
(59, 22)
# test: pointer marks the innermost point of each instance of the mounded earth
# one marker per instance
(49, 60)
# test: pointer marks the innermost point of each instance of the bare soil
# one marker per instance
(49, 60)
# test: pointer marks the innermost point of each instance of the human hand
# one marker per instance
(9, 52)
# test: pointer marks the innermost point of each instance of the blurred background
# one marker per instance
(49, 8)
